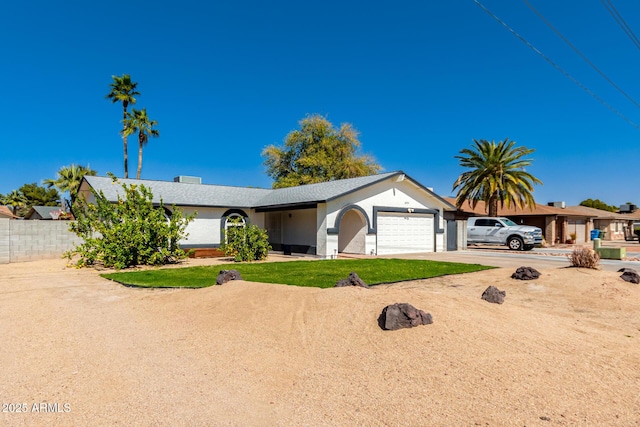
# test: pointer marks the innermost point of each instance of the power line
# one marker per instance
(575, 49)
(621, 22)
(556, 66)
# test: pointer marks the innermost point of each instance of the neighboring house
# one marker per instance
(557, 222)
(389, 213)
(43, 212)
(612, 224)
(5, 212)
(633, 223)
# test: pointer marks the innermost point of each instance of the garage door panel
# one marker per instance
(578, 227)
(404, 233)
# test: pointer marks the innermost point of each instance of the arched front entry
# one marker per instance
(352, 234)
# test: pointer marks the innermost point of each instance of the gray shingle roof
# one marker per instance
(320, 192)
(184, 194)
(43, 211)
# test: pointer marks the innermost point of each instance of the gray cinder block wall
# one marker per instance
(4, 241)
(22, 240)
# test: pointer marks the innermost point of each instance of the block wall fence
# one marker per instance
(22, 240)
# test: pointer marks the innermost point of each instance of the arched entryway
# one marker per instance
(352, 234)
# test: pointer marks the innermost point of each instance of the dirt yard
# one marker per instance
(563, 350)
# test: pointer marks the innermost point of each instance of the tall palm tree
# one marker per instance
(69, 179)
(16, 200)
(123, 90)
(497, 175)
(138, 121)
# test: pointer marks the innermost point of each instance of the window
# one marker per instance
(233, 220)
(488, 223)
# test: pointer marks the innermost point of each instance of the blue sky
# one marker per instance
(419, 79)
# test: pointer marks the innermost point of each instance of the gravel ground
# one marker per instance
(81, 350)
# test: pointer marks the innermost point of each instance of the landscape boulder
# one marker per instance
(225, 275)
(526, 273)
(629, 275)
(402, 315)
(352, 280)
(494, 295)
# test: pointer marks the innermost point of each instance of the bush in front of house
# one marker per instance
(246, 243)
(132, 231)
(584, 257)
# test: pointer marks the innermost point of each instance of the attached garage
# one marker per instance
(401, 233)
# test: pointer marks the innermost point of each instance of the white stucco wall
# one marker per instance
(256, 218)
(204, 230)
(299, 227)
(321, 230)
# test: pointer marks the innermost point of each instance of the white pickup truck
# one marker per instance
(503, 231)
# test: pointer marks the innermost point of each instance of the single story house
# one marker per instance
(557, 221)
(611, 224)
(389, 213)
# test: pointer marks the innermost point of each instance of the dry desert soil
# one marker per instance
(563, 350)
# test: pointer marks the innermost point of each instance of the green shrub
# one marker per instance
(132, 231)
(246, 243)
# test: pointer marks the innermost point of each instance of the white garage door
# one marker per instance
(403, 233)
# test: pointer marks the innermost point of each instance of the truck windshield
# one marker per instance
(509, 222)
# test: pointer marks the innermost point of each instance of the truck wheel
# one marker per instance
(515, 244)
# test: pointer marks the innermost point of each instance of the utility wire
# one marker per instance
(557, 67)
(575, 49)
(621, 22)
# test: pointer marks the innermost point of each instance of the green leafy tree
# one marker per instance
(317, 152)
(35, 195)
(132, 231)
(138, 121)
(69, 179)
(123, 90)
(497, 176)
(15, 200)
(598, 204)
(246, 243)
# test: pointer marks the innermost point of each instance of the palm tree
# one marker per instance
(69, 179)
(123, 90)
(497, 175)
(138, 121)
(16, 200)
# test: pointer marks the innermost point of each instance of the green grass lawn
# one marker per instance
(321, 274)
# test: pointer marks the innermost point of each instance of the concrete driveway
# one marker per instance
(498, 256)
